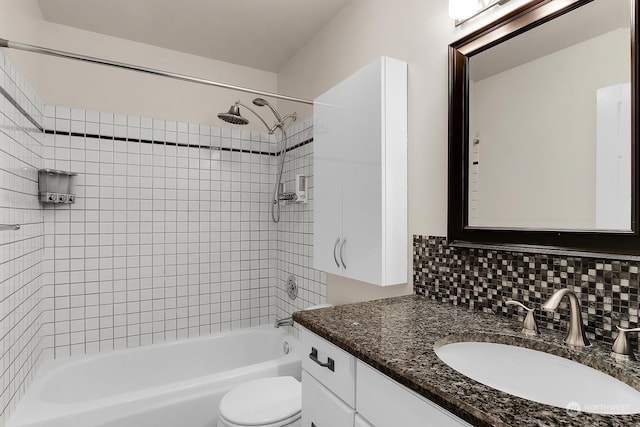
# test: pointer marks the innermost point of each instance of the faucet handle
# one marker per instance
(621, 348)
(530, 327)
(519, 304)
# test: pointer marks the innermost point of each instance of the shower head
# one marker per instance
(260, 102)
(233, 116)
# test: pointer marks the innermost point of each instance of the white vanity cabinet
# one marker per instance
(322, 408)
(360, 175)
(385, 403)
(355, 394)
(328, 383)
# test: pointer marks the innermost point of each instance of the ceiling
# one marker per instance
(262, 34)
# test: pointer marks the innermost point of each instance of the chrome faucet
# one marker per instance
(575, 335)
(287, 321)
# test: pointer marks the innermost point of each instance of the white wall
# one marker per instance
(100, 88)
(417, 32)
(21, 20)
(542, 173)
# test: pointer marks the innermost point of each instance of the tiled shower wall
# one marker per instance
(483, 279)
(294, 237)
(169, 237)
(21, 319)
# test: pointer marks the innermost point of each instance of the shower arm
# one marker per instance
(278, 124)
(269, 128)
(293, 116)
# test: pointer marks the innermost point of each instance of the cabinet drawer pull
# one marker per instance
(335, 246)
(341, 257)
(329, 364)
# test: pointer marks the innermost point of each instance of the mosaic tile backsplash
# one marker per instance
(484, 279)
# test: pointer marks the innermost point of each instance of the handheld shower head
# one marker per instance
(260, 102)
(233, 116)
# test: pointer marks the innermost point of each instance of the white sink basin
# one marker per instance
(541, 377)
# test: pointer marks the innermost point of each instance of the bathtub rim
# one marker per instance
(33, 408)
(52, 364)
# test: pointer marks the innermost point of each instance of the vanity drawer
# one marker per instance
(340, 376)
(321, 408)
(377, 393)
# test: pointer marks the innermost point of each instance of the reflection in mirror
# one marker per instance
(550, 125)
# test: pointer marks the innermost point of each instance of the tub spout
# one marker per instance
(287, 321)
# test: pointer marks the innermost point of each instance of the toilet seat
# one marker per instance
(283, 423)
(267, 402)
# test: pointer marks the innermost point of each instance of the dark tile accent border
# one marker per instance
(38, 127)
(483, 279)
(299, 144)
(177, 144)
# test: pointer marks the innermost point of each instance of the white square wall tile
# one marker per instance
(177, 242)
(24, 298)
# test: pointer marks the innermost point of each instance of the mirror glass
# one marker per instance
(550, 125)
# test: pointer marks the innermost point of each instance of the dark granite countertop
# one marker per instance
(397, 337)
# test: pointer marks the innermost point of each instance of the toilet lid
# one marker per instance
(262, 401)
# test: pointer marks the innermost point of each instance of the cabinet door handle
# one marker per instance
(335, 246)
(329, 364)
(341, 257)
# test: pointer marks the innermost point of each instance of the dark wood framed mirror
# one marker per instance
(543, 145)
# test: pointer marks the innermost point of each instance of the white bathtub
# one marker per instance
(173, 384)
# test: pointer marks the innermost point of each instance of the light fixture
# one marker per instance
(465, 10)
(462, 9)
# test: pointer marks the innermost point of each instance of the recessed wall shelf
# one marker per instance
(56, 186)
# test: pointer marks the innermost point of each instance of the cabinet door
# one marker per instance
(409, 408)
(362, 184)
(321, 408)
(327, 180)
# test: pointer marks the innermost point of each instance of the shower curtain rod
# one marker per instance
(68, 55)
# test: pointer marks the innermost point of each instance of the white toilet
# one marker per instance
(267, 402)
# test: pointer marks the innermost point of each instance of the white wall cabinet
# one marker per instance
(360, 175)
(347, 392)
